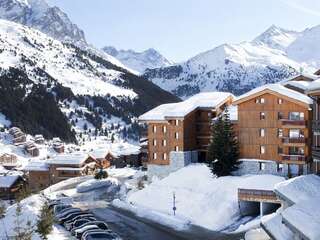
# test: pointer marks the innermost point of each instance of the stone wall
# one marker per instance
(178, 160)
(253, 167)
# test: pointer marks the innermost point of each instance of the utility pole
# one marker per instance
(174, 204)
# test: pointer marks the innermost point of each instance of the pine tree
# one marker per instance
(223, 152)
(45, 221)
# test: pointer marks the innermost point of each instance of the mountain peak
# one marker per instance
(138, 61)
(39, 15)
(276, 37)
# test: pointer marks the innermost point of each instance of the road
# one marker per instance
(131, 227)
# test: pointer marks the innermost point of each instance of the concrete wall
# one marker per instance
(178, 160)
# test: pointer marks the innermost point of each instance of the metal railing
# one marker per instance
(293, 157)
(293, 122)
(288, 140)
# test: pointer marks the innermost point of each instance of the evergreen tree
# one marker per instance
(45, 221)
(223, 152)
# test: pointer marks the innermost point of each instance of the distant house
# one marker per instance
(37, 175)
(10, 186)
(8, 160)
(58, 145)
(39, 139)
(32, 149)
(102, 158)
(18, 136)
(124, 154)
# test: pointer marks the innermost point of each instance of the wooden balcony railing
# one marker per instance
(287, 140)
(256, 195)
(288, 122)
(316, 152)
(293, 157)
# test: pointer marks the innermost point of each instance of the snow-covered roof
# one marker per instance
(299, 188)
(8, 181)
(124, 149)
(304, 85)
(181, 109)
(69, 169)
(68, 159)
(279, 89)
(99, 154)
(39, 166)
(276, 228)
(304, 217)
(302, 75)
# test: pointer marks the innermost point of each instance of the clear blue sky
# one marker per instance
(180, 29)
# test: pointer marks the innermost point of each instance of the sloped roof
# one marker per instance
(8, 181)
(277, 89)
(68, 159)
(181, 109)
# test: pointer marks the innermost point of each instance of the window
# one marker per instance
(164, 129)
(262, 100)
(257, 100)
(296, 116)
(176, 135)
(262, 149)
(280, 101)
(280, 132)
(262, 166)
(176, 148)
(262, 116)
(262, 132)
(296, 133)
(154, 128)
(280, 150)
(164, 142)
(280, 115)
(279, 167)
(177, 122)
(154, 156)
(154, 142)
(165, 156)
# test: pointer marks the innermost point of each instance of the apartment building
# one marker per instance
(274, 131)
(179, 133)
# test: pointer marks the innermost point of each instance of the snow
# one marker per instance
(305, 217)
(256, 234)
(181, 109)
(4, 122)
(123, 149)
(96, 183)
(8, 181)
(299, 188)
(275, 226)
(68, 159)
(40, 166)
(196, 192)
(279, 89)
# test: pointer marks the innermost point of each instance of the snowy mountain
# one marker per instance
(272, 56)
(56, 88)
(139, 61)
(38, 14)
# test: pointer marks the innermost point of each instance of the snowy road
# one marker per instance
(130, 227)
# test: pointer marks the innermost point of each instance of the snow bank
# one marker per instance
(200, 198)
(95, 183)
(278, 230)
(67, 184)
(256, 234)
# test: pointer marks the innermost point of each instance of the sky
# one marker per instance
(180, 29)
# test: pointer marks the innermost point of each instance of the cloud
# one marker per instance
(299, 6)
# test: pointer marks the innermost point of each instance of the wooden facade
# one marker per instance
(277, 128)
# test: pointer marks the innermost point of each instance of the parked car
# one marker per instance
(67, 211)
(70, 216)
(68, 224)
(99, 235)
(79, 232)
(59, 207)
(95, 223)
(79, 222)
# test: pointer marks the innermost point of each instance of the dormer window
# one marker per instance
(260, 100)
(280, 101)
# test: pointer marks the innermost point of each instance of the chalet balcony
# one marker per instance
(316, 152)
(316, 126)
(295, 123)
(294, 157)
(294, 140)
(255, 195)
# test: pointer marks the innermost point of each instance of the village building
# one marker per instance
(124, 154)
(8, 160)
(10, 186)
(274, 131)
(179, 133)
(19, 137)
(58, 145)
(38, 177)
(32, 149)
(39, 139)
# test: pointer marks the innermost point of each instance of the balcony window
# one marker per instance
(296, 150)
(165, 156)
(296, 133)
(262, 166)
(280, 150)
(176, 148)
(177, 122)
(280, 101)
(154, 156)
(164, 142)
(280, 132)
(176, 135)
(154, 129)
(280, 115)
(262, 116)
(262, 149)
(262, 100)
(296, 116)
(154, 142)
(262, 132)
(164, 129)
